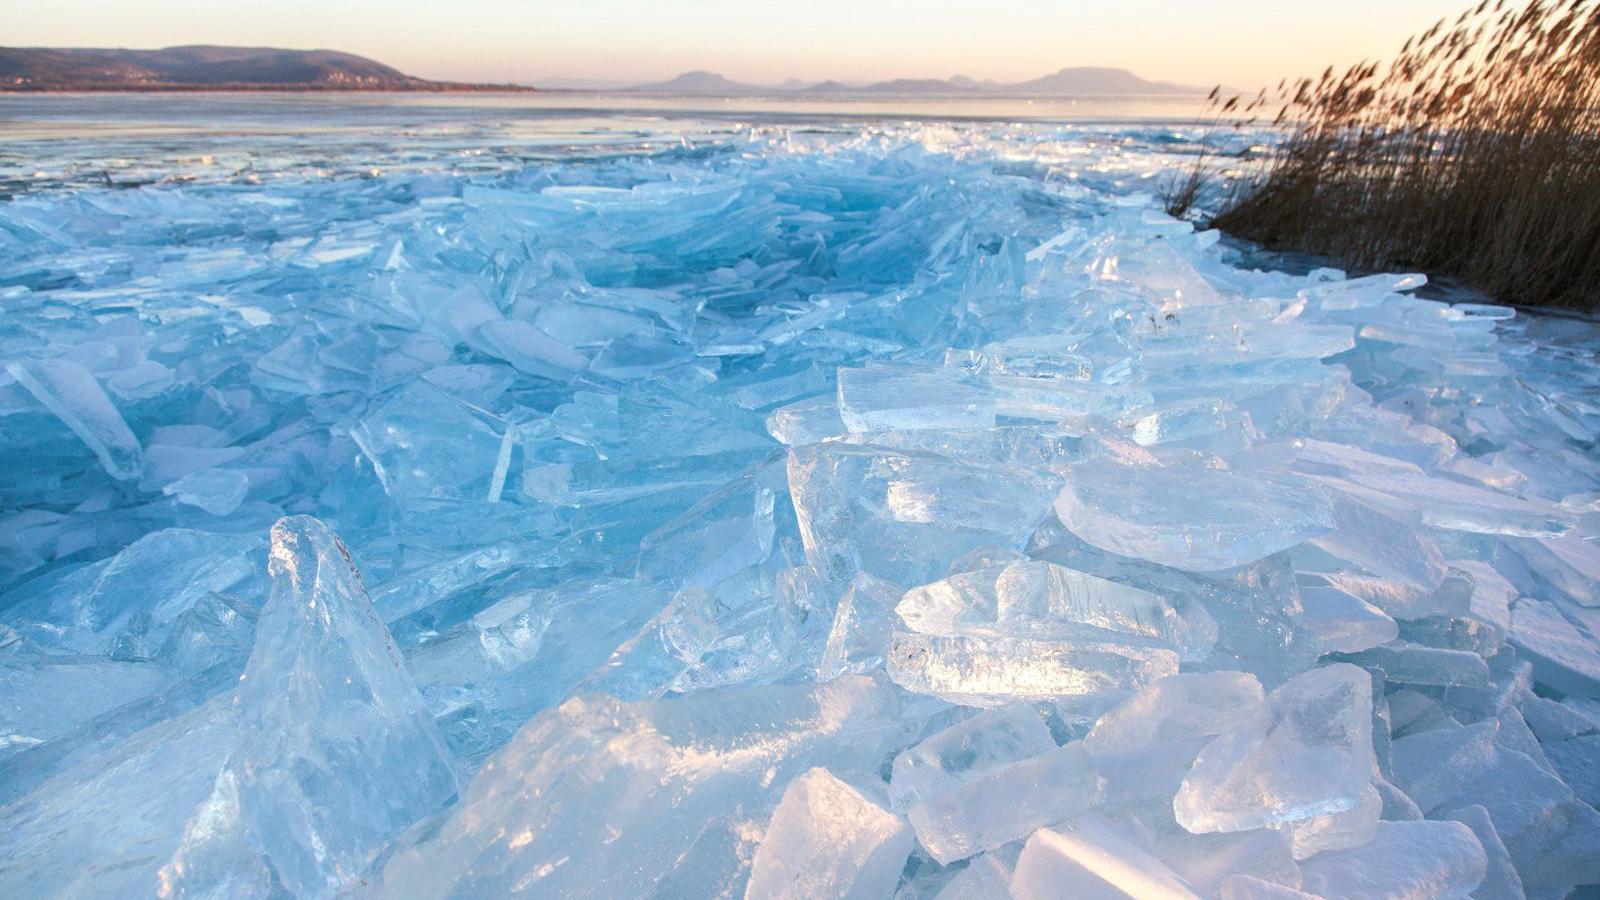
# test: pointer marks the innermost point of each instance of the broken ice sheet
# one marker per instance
(1405, 663)
(903, 516)
(1187, 514)
(1542, 823)
(598, 798)
(1185, 420)
(484, 677)
(827, 839)
(217, 491)
(882, 397)
(130, 601)
(1563, 655)
(1306, 753)
(71, 392)
(1041, 599)
(424, 442)
(1247, 614)
(615, 327)
(1091, 859)
(1245, 887)
(1007, 803)
(985, 668)
(1338, 621)
(1176, 708)
(984, 878)
(128, 803)
(1405, 859)
(863, 622)
(961, 752)
(1364, 535)
(1145, 746)
(1206, 861)
(47, 695)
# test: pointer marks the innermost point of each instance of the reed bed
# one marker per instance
(1474, 155)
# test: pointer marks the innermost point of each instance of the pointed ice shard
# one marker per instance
(1306, 753)
(827, 839)
(71, 392)
(335, 753)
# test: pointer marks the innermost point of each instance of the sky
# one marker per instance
(1241, 43)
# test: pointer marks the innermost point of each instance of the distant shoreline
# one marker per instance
(774, 96)
(256, 88)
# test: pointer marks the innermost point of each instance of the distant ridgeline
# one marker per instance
(201, 68)
(1070, 82)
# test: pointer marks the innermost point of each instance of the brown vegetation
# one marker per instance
(1474, 155)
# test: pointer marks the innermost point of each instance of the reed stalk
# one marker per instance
(1474, 155)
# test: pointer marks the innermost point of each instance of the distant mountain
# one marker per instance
(1084, 81)
(904, 86)
(701, 83)
(1070, 82)
(205, 68)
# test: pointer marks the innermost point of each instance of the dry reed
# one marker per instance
(1474, 155)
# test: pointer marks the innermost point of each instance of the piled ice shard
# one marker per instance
(900, 512)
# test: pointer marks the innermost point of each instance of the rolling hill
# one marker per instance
(205, 68)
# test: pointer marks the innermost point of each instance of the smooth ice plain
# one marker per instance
(803, 509)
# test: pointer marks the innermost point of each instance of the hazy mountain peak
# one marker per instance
(1072, 81)
(699, 81)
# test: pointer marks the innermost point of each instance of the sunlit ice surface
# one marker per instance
(472, 497)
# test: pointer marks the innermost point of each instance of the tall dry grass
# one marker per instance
(1474, 155)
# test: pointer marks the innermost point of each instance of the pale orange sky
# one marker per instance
(1244, 43)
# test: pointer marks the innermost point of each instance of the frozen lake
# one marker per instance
(585, 496)
(138, 136)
